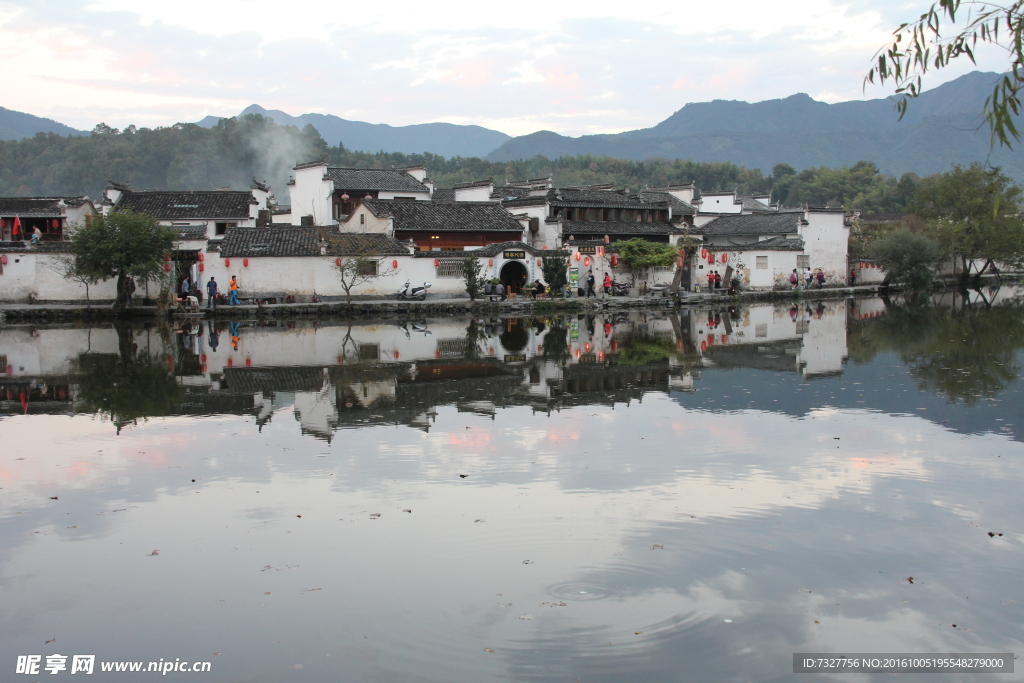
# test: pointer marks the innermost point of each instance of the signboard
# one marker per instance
(515, 357)
(515, 254)
(574, 277)
(588, 250)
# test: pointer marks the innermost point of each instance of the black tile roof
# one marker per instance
(491, 250)
(525, 200)
(754, 224)
(38, 207)
(169, 205)
(363, 244)
(356, 179)
(619, 228)
(777, 244)
(438, 217)
(292, 241)
(474, 183)
(27, 247)
(443, 195)
(679, 207)
(751, 204)
(190, 232)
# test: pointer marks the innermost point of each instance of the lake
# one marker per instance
(634, 497)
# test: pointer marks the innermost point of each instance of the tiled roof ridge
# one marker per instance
(473, 183)
(309, 164)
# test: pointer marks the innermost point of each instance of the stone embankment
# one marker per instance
(57, 312)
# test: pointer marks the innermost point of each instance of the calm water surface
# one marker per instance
(635, 497)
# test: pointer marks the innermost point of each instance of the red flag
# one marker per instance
(17, 226)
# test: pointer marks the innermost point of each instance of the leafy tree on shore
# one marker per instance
(123, 245)
(472, 272)
(907, 257)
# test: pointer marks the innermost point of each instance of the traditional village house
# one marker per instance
(765, 247)
(54, 216)
(324, 195)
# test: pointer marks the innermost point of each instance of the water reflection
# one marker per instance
(645, 497)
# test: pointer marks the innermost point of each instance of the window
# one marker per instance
(803, 261)
(451, 348)
(404, 199)
(369, 352)
(762, 262)
(362, 219)
(367, 267)
(221, 228)
(3, 363)
(449, 267)
(761, 330)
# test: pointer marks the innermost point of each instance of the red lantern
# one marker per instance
(248, 362)
(437, 353)
(55, 223)
(586, 347)
(10, 370)
(3, 223)
(615, 260)
(231, 362)
(679, 262)
(396, 354)
(167, 267)
(577, 256)
(201, 256)
(615, 347)
(711, 258)
(245, 262)
(724, 339)
(703, 346)
(202, 368)
(344, 197)
(540, 261)
(394, 264)
(490, 262)
(227, 262)
(167, 257)
(341, 360)
(202, 358)
(202, 267)
(703, 253)
(3, 259)
(725, 257)
(337, 262)
(586, 262)
(600, 251)
(437, 262)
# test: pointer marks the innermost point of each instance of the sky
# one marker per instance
(573, 66)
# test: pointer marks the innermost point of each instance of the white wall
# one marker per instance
(362, 220)
(720, 203)
(826, 240)
(35, 274)
(311, 195)
(474, 194)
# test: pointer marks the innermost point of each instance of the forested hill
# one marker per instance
(234, 151)
(15, 125)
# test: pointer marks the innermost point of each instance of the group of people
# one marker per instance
(714, 280)
(808, 278)
(212, 291)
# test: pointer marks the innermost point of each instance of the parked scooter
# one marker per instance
(419, 293)
(619, 288)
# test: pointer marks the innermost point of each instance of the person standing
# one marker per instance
(718, 280)
(853, 276)
(808, 277)
(233, 291)
(591, 282)
(794, 279)
(711, 281)
(499, 289)
(821, 278)
(211, 292)
(607, 284)
(489, 290)
(185, 288)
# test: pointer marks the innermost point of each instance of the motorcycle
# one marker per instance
(418, 293)
(619, 289)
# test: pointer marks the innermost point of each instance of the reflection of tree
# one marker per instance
(556, 341)
(964, 355)
(641, 350)
(129, 386)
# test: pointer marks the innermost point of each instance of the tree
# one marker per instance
(907, 257)
(354, 271)
(638, 253)
(555, 269)
(123, 245)
(472, 272)
(973, 213)
(920, 46)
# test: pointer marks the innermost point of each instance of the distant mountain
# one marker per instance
(445, 139)
(941, 127)
(15, 125)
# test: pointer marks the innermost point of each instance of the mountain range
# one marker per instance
(941, 127)
(445, 139)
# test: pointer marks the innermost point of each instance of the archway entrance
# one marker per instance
(513, 276)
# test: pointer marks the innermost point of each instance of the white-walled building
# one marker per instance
(324, 195)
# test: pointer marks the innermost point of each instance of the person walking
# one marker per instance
(499, 291)
(233, 291)
(607, 284)
(794, 279)
(808, 277)
(821, 278)
(591, 282)
(211, 292)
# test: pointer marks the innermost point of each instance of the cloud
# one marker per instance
(583, 67)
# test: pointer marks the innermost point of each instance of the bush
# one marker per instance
(907, 257)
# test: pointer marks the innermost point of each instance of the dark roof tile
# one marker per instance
(619, 228)
(357, 179)
(438, 216)
(38, 207)
(170, 205)
(292, 241)
(754, 224)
